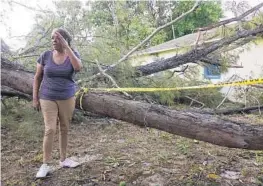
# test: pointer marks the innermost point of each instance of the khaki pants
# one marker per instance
(56, 112)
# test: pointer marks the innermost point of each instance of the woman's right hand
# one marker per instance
(36, 104)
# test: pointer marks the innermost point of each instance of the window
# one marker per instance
(212, 72)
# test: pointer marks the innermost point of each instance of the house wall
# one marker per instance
(252, 62)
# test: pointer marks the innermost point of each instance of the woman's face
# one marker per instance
(55, 41)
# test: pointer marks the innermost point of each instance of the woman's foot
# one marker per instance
(43, 171)
(69, 163)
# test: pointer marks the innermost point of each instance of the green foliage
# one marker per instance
(209, 97)
(183, 145)
(70, 15)
(256, 20)
(119, 26)
(208, 12)
(122, 183)
(104, 30)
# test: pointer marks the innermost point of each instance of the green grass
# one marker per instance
(19, 116)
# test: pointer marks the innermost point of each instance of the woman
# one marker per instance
(53, 92)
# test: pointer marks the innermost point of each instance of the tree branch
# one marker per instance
(259, 110)
(148, 38)
(182, 71)
(193, 55)
(239, 110)
(224, 22)
(36, 45)
(31, 8)
(194, 100)
(111, 79)
(25, 56)
(215, 61)
(156, 31)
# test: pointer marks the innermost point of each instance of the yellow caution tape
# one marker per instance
(236, 83)
(83, 91)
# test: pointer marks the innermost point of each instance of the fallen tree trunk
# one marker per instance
(15, 77)
(189, 124)
(246, 110)
(193, 125)
(10, 92)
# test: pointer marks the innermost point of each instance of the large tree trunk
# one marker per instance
(189, 124)
(15, 77)
(193, 125)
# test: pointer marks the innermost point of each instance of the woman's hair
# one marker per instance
(65, 34)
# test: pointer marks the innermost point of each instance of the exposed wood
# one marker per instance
(204, 127)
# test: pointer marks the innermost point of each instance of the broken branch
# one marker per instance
(224, 22)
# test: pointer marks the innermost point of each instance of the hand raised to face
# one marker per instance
(62, 41)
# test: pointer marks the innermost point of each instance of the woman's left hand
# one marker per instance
(63, 42)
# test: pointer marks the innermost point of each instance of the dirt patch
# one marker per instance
(118, 153)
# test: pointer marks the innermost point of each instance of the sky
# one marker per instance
(19, 20)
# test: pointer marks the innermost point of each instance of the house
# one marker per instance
(249, 65)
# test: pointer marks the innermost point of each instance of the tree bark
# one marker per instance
(15, 77)
(10, 92)
(189, 124)
(246, 110)
(192, 125)
(194, 54)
